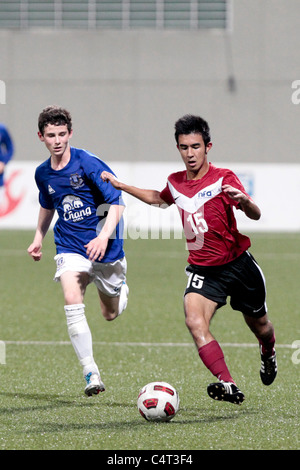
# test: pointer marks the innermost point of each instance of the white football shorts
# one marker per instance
(108, 277)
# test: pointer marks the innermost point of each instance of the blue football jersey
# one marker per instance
(6, 148)
(82, 201)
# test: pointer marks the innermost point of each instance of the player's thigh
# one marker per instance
(109, 305)
(198, 310)
(74, 285)
(249, 293)
(109, 277)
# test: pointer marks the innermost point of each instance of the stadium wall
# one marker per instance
(125, 89)
(274, 187)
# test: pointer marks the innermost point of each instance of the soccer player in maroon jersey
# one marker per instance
(220, 265)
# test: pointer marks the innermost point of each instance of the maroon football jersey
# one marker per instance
(207, 215)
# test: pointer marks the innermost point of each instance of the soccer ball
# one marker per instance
(158, 401)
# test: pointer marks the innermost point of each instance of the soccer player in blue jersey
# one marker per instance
(6, 153)
(88, 233)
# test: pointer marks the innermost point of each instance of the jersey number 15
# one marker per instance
(198, 223)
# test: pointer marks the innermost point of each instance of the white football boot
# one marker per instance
(94, 385)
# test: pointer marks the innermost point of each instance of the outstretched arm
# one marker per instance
(149, 196)
(44, 221)
(247, 205)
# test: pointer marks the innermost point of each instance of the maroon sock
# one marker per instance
(267, 347)
(212, 357)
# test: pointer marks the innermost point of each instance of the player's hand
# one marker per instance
(234, 193)
(35, 251)
(96, 248)
(106, 176)
(245, 203)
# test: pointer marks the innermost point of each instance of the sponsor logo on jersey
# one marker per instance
(205, 193)
(74, 210)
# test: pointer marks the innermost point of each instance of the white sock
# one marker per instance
(80, 336)
(123, 298)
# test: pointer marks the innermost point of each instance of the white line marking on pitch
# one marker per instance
(128, 343)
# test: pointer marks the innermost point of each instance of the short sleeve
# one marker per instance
(166, 195)
(44, 198)
(233, 180)
(93, 168)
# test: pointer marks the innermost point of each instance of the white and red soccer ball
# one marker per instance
(158, 401)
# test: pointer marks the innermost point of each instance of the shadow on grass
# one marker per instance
(47, 402)
(53, 401)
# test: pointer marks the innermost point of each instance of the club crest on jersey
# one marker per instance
(73, 209)
(76, 181)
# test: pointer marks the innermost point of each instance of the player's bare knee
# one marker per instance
(196, 322)
(110, 307)
(71, 298)
(109, 314)
(188, 323)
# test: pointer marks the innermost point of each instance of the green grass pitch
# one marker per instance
(42, 404)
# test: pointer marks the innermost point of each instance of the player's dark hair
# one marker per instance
(190, 124)
(56, 116)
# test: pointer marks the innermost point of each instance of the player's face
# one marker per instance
(56, 139)
(194, 154)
